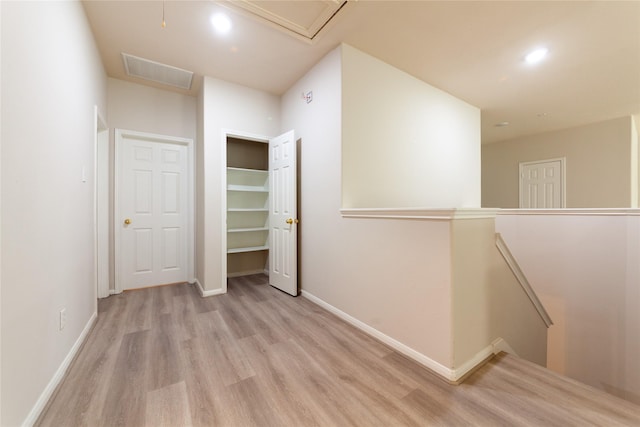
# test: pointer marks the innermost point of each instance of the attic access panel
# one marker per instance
(301, 19)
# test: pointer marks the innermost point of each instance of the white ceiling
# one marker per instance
(473, 50)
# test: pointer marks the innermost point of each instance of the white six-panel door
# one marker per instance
(542, 184)
(283, 220)
(152, 210)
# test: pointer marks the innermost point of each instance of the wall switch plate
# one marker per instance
(63, 318)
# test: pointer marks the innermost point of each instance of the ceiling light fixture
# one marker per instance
(221, 23)
(536, 56)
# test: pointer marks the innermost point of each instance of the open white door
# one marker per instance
(283, 221)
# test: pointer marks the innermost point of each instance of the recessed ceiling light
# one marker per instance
(501, 124)
(221, 23)
(536, 56)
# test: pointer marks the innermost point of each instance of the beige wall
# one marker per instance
(404, 142)
(585, 269)
(199, 153)
(488, 301)
(52, 79)
(392, 275)
(635, 163)
(598, 165)
(0, 217)
(231, 107)
(395, 277)
(145, 109)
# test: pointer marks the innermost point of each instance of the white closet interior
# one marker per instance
(247, 207)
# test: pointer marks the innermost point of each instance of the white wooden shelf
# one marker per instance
(247, 188)
(247, 249)
(238, 178)
(247, 209)
(249, 171)
(247, 230)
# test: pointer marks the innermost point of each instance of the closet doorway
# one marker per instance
(247, 207)
(260, 208)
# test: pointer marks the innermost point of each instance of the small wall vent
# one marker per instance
(157, 72)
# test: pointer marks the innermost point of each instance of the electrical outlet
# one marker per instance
(63, 318)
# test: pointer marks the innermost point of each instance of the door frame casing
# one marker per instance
(120, 134)
(229, 133)
(563, 179)
(101, 194)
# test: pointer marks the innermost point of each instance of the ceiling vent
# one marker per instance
(157, 72)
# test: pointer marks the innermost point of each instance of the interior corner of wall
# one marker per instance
(635, 160)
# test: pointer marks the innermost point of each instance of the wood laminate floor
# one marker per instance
(258, 357)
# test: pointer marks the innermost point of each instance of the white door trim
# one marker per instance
(229, 133)
(100, 208)
(563, 172)
(120, 134)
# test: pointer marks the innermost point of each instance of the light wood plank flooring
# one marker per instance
(258, 357)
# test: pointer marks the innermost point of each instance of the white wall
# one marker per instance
(404, 280)
(636, 142)
(405, 143)
(488, 301)
(145, 109)
(51, 79)
(393, 275)
(224, 106)
(635, 164)
(598, 165)
(0, 215)
(584, 267)
(199, 183)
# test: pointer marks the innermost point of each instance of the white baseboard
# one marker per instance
(472, 363)
(452, 375)
(434, 366)
(59, 375)
(501, 345)
(207, 293)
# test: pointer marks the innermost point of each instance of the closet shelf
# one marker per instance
(248, 188)
(251, 171)
(247, 249)
(247, 230)
(248, 210)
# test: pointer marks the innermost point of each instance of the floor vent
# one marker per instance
(157, 72)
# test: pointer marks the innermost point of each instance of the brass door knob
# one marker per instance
(292, 221)
(127, 221)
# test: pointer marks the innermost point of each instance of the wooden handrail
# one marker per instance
(522, 279)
